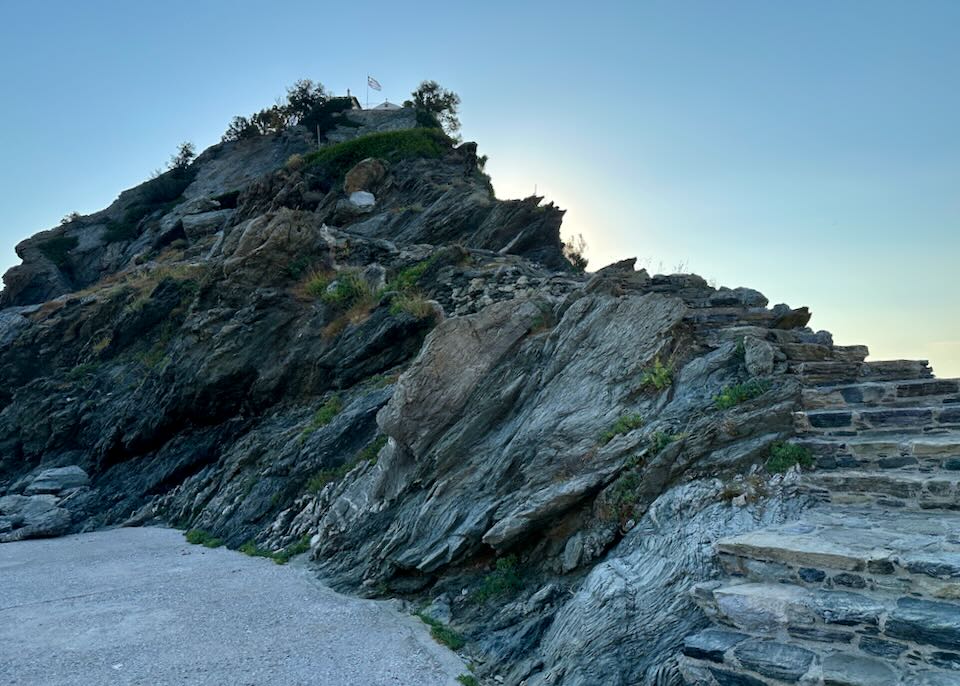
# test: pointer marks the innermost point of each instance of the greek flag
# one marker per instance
(373, 83)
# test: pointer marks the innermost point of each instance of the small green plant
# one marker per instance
(416, 208)
(443, 634)
(347, 289)
(406, 279)
(658, 376)
(320, 479)
(283, 556)
(783, 456)
(315, 285)
(623, 495)
(204, 538)
(625, 424)
(370, 453)
(253, 550)
(731, 396)
(295, 269)
(502, 580)
(413, 304)
(102, 344)
(740, 351)
(57, 249)
(326, 414)
(661, 439)
(294, 162)
(82, 370)
(468, 680)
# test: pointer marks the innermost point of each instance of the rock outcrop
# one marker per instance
(373, 355)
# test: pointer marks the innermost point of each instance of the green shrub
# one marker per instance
(295, 268)
(731, 396)
(407, 279)
(468, 680)
(740, 351)
(625, 424)
(327, 412)
(623, 495)
(283, 556)
(204, 538)
(783, 456)
(443, 634)
(335, 161)
(370, 453)
(316, 284)
(414, 304)
(661, 439)
(320, 479)
(253, 550)
(348, 289)
(658, 376)
(503, 579)
(57, 249)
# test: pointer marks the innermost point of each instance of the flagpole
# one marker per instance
(367, 105)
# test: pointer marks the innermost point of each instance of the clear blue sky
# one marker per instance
(810, 150)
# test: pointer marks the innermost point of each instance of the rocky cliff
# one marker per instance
(360, 350)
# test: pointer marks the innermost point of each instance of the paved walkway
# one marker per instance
(141, 606)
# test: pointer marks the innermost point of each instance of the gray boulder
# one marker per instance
(35, 516)
(57, 480)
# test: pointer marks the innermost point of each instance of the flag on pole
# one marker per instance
(373, 83)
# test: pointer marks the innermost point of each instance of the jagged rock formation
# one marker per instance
(376, 355)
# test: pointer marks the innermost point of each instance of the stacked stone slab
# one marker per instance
(865, 588)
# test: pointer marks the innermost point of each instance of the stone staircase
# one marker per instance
(864, 590)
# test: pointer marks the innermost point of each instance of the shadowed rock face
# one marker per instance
(422, 387)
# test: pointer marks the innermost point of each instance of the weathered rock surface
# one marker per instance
(36, 516)
(57, 480)
(425, 390)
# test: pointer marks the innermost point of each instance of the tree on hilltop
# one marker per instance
(303, 98)
(439, 103)
(183, 157)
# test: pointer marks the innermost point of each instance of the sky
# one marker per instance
(808, 150)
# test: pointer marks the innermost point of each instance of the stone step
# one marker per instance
(838, 372)
(892, 488)
(854, 420)
(826, 373)
(890, 451)
(896, 370)
(928, 392)
(814, 352)
(776, 633)
(892, 551)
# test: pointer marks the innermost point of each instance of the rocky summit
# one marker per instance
(352, 348)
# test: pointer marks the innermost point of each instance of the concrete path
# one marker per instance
(141, 606)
